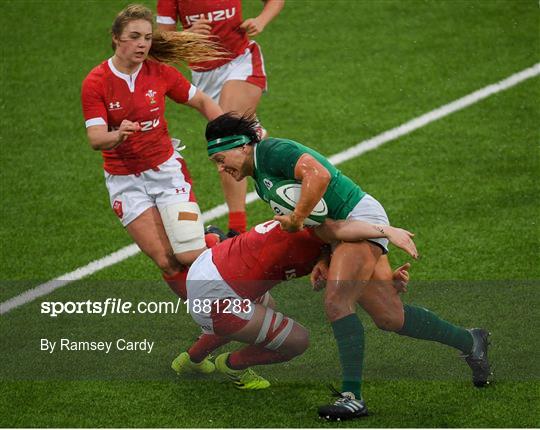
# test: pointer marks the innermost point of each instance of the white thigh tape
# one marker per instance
(184, 226)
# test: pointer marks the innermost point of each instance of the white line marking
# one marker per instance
(434, 115)
(216, 212)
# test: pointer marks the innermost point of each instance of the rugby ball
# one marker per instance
(283, 197)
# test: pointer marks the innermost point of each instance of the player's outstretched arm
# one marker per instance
(400, 238)
(101, 138)
(205, 105)
(354, 230)
(319, 276)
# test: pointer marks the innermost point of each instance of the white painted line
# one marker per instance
(67, 278)
(216, 212)
(434, 115)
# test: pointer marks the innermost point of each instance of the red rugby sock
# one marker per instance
(204, 346)
(177, 283)
(238, 221)
(253, 355)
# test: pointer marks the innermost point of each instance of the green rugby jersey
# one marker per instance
(275, 160)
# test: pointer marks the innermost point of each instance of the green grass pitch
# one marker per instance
(339, 72)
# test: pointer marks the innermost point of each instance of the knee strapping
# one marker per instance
(274, 330)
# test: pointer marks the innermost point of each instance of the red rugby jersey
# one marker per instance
(255, 261)
(225, 17)
(109, 96)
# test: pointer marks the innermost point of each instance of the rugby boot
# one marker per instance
(477, 359)
(183, 364)
(346, 407)
(245, 379)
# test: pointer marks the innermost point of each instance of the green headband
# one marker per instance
(226, 143)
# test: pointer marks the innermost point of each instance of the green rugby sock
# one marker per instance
(349, 335)
(421, 323)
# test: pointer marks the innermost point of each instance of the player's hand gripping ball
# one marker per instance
(284, 196)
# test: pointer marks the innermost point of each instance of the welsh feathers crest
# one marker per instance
(151, 96)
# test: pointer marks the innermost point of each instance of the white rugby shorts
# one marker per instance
(370, 210)
(246, 67)
(212, 303)
(167, 184)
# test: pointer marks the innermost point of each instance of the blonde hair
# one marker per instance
(170, 47)
(130, 13)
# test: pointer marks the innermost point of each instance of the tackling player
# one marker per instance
(123, 101)
(236, 81)
(224, 283)
(235, 147)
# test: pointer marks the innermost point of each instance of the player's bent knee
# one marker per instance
(335, 311)
(184, 226)
(388, 321)
(166, 263)
(187, 258)
(389, 315)
(296, 343)
(336, 306)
